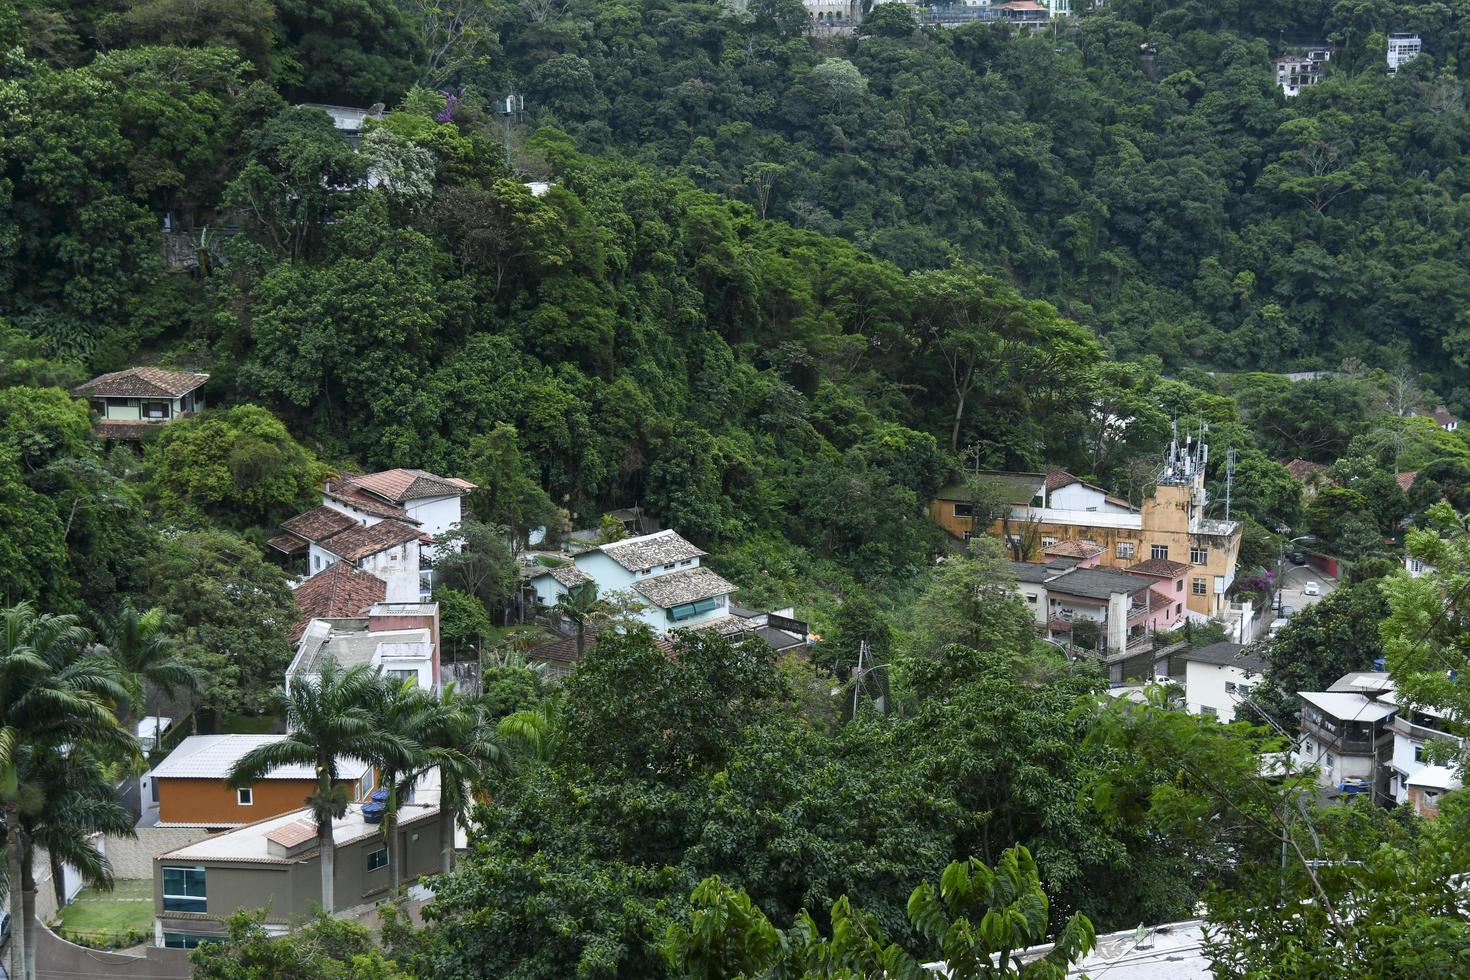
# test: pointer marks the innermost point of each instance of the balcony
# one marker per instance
(1354, 740)
(1419, 733)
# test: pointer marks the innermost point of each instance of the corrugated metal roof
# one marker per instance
(213, 756)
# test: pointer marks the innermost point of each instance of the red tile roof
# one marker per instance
(126, 430)
(293, 834)
(1162, 600)
(142, 381)
(1444, 416)
(1406, 479)
(318, 524)
(288, 544)
(336, 591)
(354, 496)
(360, 542)
(1058, 478)
(398, 485)
(1159, 567)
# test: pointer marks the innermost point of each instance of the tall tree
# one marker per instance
(328, 717)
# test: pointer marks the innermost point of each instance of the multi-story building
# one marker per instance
(1414, 729)
(130, 404)
(399, 640)
(1128, 610)
(275, 865)
(188, 788)
(1402, 49)
(1296, 70)
(1171, 525)
(1345, 733)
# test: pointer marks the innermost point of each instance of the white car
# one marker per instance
(1311, 588)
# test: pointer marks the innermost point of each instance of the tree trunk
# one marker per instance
(58, 880)
(27, 924)
(390, 826)
(446, 834)
(954, 432)
(17, 902)
(329, 863)
(581, 638)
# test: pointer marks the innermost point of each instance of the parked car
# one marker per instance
(1311, 588)
(1296, 557)
(1287, 612)
(1277, 625)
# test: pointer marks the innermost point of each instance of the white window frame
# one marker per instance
(373, 855)
(1199, 586)
(1199, 556)
(1158, 551)
(1125, 550)
(245, 796)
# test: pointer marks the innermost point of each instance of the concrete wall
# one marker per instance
(290, 888)
(399, 567)
(1078, 496)
(436, 515)
(1205, 687)
(1034, 594)
(608, 574)
(57, 959)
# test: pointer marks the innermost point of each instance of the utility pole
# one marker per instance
(1229, 477)
(511, 110)
(857, 675)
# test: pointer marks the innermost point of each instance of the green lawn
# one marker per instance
(111, 918)
(250, 724)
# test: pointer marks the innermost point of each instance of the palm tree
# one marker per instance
(533, 731)
(146, 647)
(54, 690)
(466, 748)
(68, 798)
(581, 605)
(404, 712)
(328, 717)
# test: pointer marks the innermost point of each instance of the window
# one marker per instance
(183, 890)
(1200, 587)
(153, 789)
(1208, 711)
(316, 563)
(155, 410)
(1431, 795)
(1229, 687)
(1031, 599)
(1418, 753)
(1328, 760)
(245, 796)
(183, 940)
(366, 786)
(377, 859)
(1179, 609)
(1125, 550)
(1047, 542)
(964, 510)
(399, 676)
(1199, 556)
(691, 609)
(686, 561)
(669, 567)
(1159, 551)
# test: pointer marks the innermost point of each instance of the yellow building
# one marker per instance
(1051, 507)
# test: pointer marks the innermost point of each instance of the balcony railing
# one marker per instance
(1419, 732)
(1355, 743)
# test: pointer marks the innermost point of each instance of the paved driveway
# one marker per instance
(1294, 577)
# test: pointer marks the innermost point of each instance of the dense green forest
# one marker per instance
(778, 290)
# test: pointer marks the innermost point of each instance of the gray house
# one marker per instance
(275, 865)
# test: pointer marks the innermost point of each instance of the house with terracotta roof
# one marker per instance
(434, 504)
(387, 548)
(130, 404)
(188, 789)
(338, 592)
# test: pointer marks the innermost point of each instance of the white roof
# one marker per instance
(1348, 707)
(251, 843)
(1435, 777)
(1171, 951)
(1363, 680)
(1394, 697)
(213, 756)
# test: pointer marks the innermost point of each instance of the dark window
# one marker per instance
(155, 410)
(183, 890)
(377, 859)
(183, 940)
(964, 510)
(690, 609)
(1159, 551)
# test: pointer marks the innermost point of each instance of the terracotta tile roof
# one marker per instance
(293, 834)
(1071, 549)
(1058, 478)
(336, 591)
(399, 485)
(677, 588)
(650, 550)
(1162, 600)
(1301, 468)
(288, 544)
(1160, 567)
(1444, 416)
(318, 524)
(563, 649)
(360, 542)
(142, 382)
(1406, 479)
(354, 496)
(126, 430)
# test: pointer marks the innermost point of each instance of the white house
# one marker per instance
(1345, 732)
(1402, 49)
(1217, 677)
(1428, 785)
(129, 403)
(399, 640)
(432, 503)
(1413, 729)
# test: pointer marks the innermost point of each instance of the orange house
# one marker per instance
(188, 788)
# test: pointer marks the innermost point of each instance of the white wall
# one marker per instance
(1205, 686)
(317, 559)
(608, 574)
(548, 590)
(399, 567)
(361, 516)
(1078, 496)
(1341, 767)
(1034, 594)
(436, 515)
(423, 668)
